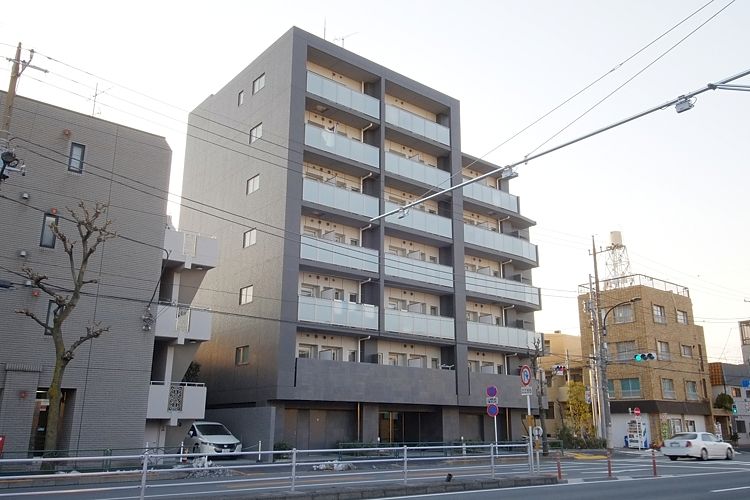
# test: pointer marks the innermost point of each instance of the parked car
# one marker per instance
(211, 438)
(701, 445)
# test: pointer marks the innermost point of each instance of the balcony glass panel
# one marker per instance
(499, 287)
(500, 242)
(423, 221)
(418, 171)
(337, 312)
(500, 335)
(419, 324)
(341, 254)
(491, 196)
(416, 124)
(320, 138)
(340, 198)
(418, 270)
(341, 94)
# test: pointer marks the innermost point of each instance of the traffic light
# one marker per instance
(645, 356)
(734, 408)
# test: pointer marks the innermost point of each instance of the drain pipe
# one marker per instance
(502, 267)
(362, 230)
(362, 133)
(359, 347)
(360, 290)
(362, 182)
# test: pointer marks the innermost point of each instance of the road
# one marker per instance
(586, 477)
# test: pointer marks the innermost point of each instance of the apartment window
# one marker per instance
(623, 314)
(435, 363)
(242, 355)
(747, 393)
(547, 348)
(306, 290)
(745, 332)
(259, 83)
(52, 309)
(667, 388)
(353, 298)
(488, 367)
(396, 359)
(246, 295)
(354, 242)
(659, 315)
(417, 361)
(253, 184)
(611, 388)
(625, 350)
(687, 351)
(630, 387)
(241, 98)
(248, 238)
(473, 366)
(306, 351)
(740, 424)
(691, 390)
(682, 317)
(256, 133)
(736, 392)
(47, 239)
(664, 353)
(330, 353)
(434, 311)
(75, 160)
(352, 357)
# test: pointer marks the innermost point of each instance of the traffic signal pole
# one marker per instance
(603, 357)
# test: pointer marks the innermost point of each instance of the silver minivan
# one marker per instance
(211, 437)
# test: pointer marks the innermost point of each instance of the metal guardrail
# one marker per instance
(139, 472)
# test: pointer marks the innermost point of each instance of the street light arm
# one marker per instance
(604, 319)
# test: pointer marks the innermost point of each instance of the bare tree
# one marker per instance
(93, 229)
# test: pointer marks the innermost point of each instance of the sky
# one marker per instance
(673, 184)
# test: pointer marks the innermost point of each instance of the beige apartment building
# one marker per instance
(562, 362)
(671, 390)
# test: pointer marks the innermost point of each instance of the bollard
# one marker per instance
(492, 459)
(609, 464)
(559, 467)
(406, 467)
(144, 473)
(653, 461)
(259, 452)
(463, 446)
(294, 468)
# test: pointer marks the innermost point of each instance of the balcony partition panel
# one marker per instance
(339, 198)
(491, 196)
(500, 335)
(500, 242)
(341, 145)
(341, 94)
(417, 125)
(432, 176)
(341, 254)
(338, 313)
(419, 324)
(418, 270)
(499, 287)
(423, 221)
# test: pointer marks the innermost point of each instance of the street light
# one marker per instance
(603, 369)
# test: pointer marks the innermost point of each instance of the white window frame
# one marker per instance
(259, 83)
(686, 351)
(667, 388)
(242, 355)
(246, 294)
(659, 314)
(682, 317)
(252, 184)
(240, 98)
(249, 238)
(47, 238)
(256, 132)
(630, 393)
(664, 354)
(691, 395)
(76, 162)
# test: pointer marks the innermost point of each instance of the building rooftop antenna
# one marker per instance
(617, 263)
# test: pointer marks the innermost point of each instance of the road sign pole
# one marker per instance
(495, 422)
(531, 439)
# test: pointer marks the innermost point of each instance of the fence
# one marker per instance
(281, 469)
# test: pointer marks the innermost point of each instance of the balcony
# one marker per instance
(337, 313)
(419, 324)
(339, 198)
(417, 125)
(422, 221)
(341, 145)
(503, 288)
(182, 323)
(500, 335)
(498, 242)
(343, 95)
(340, 254)
(176, 401)
(491, 196)
(191, 249)
(432, 176)
(418, 270)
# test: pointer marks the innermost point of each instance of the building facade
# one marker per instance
(117, 388)
(340, 328)
(562, 363)
(734, 381)
(671, 391)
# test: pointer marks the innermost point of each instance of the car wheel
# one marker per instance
(730, 454)
(673, 458)
(704, 455)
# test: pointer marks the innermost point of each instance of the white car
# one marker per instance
(211, 438)
(701, 445)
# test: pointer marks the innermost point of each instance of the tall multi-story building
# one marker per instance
(672, 389)
(122, 390)
(344, 328)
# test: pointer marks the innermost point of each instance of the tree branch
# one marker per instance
(31, 315)
(92, 332)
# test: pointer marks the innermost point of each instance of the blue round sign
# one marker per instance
(492, 410)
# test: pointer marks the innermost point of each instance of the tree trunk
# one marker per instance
(54, 393)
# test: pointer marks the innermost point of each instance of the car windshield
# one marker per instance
(213, 430)
(685, 435)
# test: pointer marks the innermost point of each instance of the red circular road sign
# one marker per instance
(637, 411)
(491, 391)
(525, 375)
(492, 410)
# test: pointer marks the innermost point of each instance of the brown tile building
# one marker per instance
(672, 390)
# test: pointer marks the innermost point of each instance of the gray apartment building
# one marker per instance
(334, 327)
(122, 390)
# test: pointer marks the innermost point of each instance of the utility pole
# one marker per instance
(603, 355)
(15, 72)
(538, 351)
